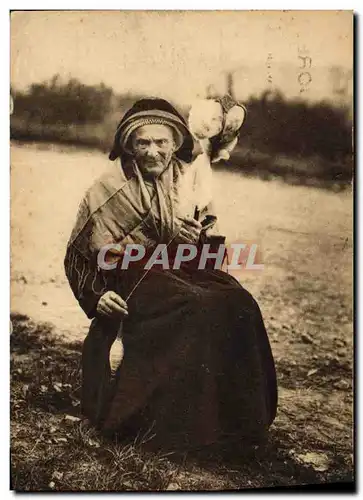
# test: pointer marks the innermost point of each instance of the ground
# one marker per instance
(305, 294)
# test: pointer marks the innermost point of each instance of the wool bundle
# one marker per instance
(216, 123)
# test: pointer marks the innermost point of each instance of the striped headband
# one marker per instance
(151, 117)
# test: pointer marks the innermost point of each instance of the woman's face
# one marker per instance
(153, 147)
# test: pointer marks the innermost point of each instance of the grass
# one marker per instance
(54, 449)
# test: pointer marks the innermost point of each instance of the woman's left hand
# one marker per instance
(189, 230)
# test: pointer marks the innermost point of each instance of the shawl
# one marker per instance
(117, 209)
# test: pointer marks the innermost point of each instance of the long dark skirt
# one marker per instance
(197, 366)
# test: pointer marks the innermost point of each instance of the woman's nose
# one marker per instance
(152, 150)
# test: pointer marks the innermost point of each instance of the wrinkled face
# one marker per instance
(153, 146)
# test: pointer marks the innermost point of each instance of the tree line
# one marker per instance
(274, 124)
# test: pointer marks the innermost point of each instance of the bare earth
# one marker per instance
(305, 290)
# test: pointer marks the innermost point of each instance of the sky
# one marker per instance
(175, 54)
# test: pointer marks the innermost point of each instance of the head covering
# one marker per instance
(147, 112)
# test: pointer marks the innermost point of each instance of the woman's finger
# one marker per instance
(192, 222)
(192, 233)
(190, 230)
(104, 309)
(116, 299)
(187, 235)
(184, 239)
(187, 239)
(108, 311)
(117, 308)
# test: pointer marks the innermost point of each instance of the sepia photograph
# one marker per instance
(181, 261)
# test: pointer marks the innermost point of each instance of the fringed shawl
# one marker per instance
(118, 209)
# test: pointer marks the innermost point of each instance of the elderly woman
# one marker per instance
(197, 366)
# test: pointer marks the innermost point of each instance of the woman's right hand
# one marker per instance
(111, 305)
(189, 231)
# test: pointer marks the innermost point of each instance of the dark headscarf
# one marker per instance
(152, 110)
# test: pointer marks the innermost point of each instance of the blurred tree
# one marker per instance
(64, 102)
(276, 125)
